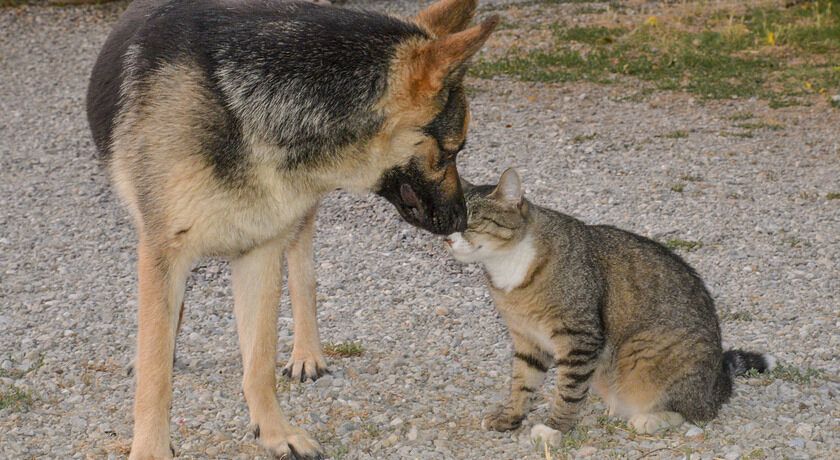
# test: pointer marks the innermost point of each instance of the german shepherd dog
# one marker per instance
(224, 122)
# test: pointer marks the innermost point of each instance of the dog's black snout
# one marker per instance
(450, 221)
(460, 222)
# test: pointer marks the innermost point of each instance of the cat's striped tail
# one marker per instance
(739, 362)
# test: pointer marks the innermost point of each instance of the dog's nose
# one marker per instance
(460, 221)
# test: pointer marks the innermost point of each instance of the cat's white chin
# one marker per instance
(461, 249)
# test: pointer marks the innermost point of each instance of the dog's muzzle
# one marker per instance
(440, 219)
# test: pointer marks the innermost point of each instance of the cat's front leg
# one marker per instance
(530, 364)
(574, 374)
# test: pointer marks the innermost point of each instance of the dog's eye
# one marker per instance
(451, 155)
(446, 157)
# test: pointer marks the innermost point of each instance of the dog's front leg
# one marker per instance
(257, 282)
(162, 278)
(307, 359)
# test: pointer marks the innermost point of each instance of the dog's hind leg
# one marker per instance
(257, 282)
(307, 359)
(162, 278)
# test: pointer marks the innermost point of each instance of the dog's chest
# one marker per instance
(233, 221)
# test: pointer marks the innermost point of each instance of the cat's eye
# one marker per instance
(490, 222)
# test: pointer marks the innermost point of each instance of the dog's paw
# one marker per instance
(305, 365)
(293, 445)
(501, 419)
(655, 421)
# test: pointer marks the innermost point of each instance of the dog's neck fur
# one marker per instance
(508, 269)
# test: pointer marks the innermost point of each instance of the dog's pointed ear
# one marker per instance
(447, 16)
(509, 188)
(433, 62)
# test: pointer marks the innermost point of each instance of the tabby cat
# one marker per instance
(612, 310)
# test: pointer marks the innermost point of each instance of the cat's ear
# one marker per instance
(509, 188)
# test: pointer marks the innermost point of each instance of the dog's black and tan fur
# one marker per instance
(224, 122)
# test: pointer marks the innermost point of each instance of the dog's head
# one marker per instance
(427, 117)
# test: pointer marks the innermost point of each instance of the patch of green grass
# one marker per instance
(809, 26)
(573, 439)
(832, 196)
(782, 101)
(795, 242)
(788, 373)
(677, 188)
(558, 66)
(741, 134)
(642, 54)
(340, 452)
(492, 7)
(508, 25)
(55, 3)
(779, 54)
(611, 425)
(691, 178)
(755, 454)
(588, 10)
(638, 96)
(17, 373)
(284, 385)
(738, 316)
(772, 126)
(343, 350)
(741, 116)
(794, 374)
(13, 3)
(15, 398)
(589, 35)
(581, 138)
(557, 2)
(371, 430)
(685, 245)
(678, 134)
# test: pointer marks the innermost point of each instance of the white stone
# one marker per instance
(806, 430)
(586, 451)
(693, 431)
(543, 434)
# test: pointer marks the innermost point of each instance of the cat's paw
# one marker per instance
(501, 420)
(563, 424)
(655, 421)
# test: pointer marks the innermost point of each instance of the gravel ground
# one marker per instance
(435, 353)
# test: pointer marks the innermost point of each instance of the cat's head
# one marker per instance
(497, 217)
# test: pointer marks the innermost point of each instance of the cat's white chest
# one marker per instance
(509, 270)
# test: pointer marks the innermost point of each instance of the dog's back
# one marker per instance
(330, 62)
(104, 88)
